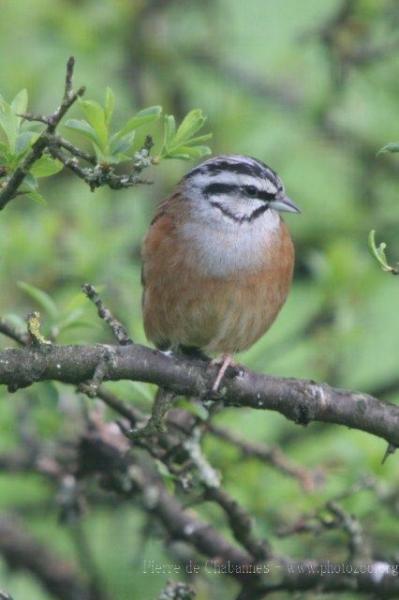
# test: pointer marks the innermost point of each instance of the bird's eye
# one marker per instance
(251, 190)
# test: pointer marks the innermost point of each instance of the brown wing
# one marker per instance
(155, 251)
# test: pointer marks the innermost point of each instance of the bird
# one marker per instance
(218, 260)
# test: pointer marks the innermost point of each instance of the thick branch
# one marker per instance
(299, 400)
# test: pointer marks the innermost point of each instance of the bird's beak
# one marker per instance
(284, 204)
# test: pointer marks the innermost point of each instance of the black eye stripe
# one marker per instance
(219, 188)
(263, 195)
(253, 192)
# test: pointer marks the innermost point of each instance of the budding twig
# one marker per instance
(105, 314)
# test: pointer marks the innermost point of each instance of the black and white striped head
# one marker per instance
(240, 188)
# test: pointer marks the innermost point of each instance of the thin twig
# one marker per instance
(105, 314)
(358, 548)
(240, 522)
(271, 455)
(13, 333)
(57, 141)
(155, 425)
(101, 173)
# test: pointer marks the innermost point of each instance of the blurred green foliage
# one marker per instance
(314, 98)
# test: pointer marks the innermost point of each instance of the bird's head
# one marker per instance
(236, 188)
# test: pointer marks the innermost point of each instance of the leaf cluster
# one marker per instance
(17, 136)
(19, 131)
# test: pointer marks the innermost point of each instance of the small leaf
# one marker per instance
(82, 127)
(24, 141)
(109, 105)
(30, 182)
(78, 324)
(46, 166)
(392, 147)
(9, 123)
(3, 147)
(169, 129)
(95, 115)
(123, 144)
(191, 123)
(187, 152)
(379, 253)
(37, 197)
(71, 318)
(30, 186)
(199, 139)
(20, 103)
(41, 298)
(143, 117)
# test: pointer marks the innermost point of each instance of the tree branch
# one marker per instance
(21, 551)
(13, 333)
(119, 331)
(131, 477)
(301, 401)
(271, 455)
(11, 187)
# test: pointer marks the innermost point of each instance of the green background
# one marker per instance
(272, 88)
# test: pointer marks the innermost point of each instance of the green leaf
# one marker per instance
(34, 194)
(24, 141)
(78, 324)
(95, 115)
(41, 298)
(182, 143)
(46, 166)
(83, 128)
(9, 124)
(143, 117)
(30, 187)
(199, 139)
(191, 123)
(9, 121)
(20, 103)
(169, 129)
(30, 182)
(187, 152)
(379, 254)
(7, 157)
(123, 144)
(71, 318)
(109, 105)
(392, 147)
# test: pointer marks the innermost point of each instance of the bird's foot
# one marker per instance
(225, 361)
